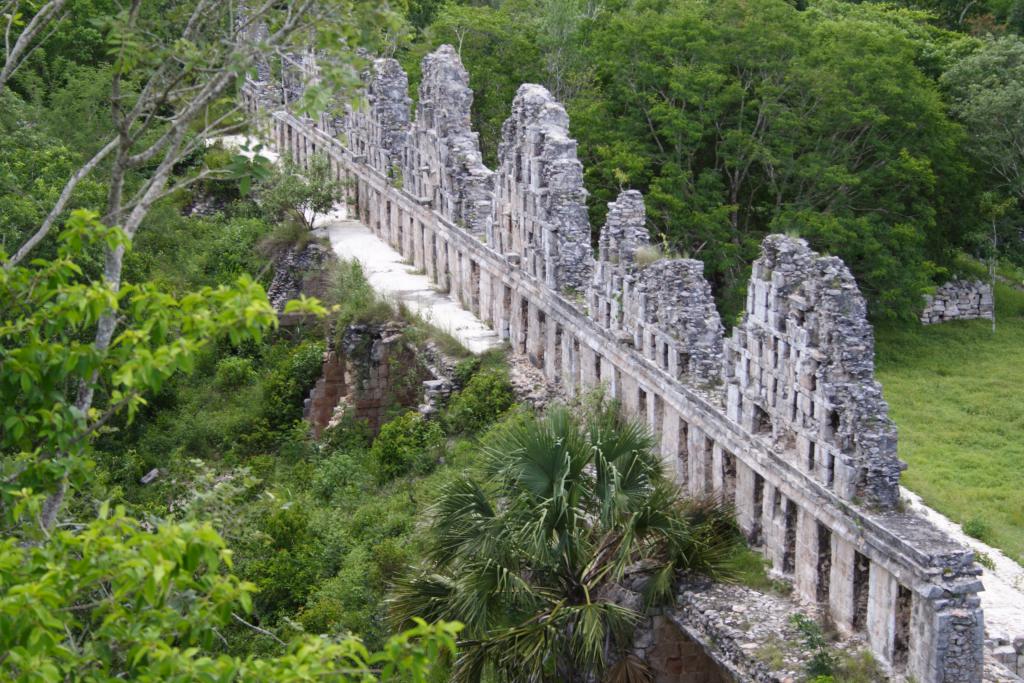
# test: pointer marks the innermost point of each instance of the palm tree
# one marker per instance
(534, 558)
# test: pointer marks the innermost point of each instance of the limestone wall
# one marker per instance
(784, 420)
(958, 300)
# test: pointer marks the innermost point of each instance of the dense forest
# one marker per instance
(136, 336)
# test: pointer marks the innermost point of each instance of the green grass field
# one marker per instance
(956, 392)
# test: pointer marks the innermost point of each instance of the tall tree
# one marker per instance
(987, 90)
(176, 75)
(739, 118)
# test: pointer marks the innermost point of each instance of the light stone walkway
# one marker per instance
(1003, 597)
(389, 274)
(387, 271)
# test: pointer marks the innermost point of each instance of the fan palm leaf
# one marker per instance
(529, 557)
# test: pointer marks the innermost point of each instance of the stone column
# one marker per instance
(610, 378)
(630, 395)
(486, 296)
(570, 365)
(654, 413)
(552, 351)
(430, 256)
(443, 281)
(588, 367)
(806, 567)
(670, 444)
(882, 590)
(840, 584)
(534, 343)
(717, 470)
(697, 461)
(746, 513)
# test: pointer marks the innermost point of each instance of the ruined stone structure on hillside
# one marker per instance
(784, 419)
(959, 300)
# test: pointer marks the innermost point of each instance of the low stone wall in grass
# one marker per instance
(958, 300)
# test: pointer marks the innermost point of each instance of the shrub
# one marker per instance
(284, 562)
(356, 300)
(217, 158)
(286, 235)
(348, 434)
(486, 396)
(406, 444)
(822, 661)
(344, 602)
(290, 382)
(340, 472)
(646, 255)
(465, 369)
(233, 372)
(976, 528)
(858, 667)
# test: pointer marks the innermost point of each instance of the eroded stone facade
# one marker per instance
(369, 371)
(540, 208)
(663, 308)
(784, 420)
(800, 370)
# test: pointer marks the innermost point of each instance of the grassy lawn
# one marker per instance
(956, 391)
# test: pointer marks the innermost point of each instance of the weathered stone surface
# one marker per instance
(297, 271)
(370, 371)
(443, 163)
(958, 300)
(801, 366)
(379, 126)
(540, 210)
(665, 308)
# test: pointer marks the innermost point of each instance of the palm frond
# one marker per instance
(629, 669)
(424, 595)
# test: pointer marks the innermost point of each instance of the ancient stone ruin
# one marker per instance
(784, 420)
(958, 300)
(370, 370)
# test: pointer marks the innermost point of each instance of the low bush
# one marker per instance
(340, 473)
(976, 528)
(465, 369)
(349, 433)
(486, 396)
(290, 382)
(233, 372)
(355, 300)
(407, 444)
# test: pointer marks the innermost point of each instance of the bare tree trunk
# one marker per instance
(15, 55)
(992, 272)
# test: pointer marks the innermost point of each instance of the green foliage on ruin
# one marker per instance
(870, 130)
(533, 554)
(407, 444)
(484, 398)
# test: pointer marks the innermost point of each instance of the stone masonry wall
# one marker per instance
(958, 300)
(540, 209)
(371, 370)
(800, 370)
(664, 309)
(784, 421)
